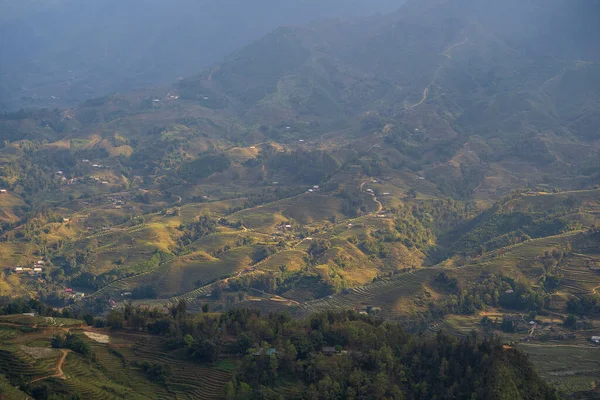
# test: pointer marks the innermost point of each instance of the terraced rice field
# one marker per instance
(17, 362)
(383, 293)
(570, 367)
(189, 380)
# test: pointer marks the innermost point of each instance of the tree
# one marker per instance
(570, 322)
(188, 340)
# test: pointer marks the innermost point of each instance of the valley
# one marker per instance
(419, 179)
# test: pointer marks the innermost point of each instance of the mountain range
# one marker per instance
(62, 52)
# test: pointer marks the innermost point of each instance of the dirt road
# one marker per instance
(59, 372)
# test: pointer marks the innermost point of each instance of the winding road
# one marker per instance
(374, 197)
(59, 372)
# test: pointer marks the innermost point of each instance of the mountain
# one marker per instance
(456, 71)
(63, 52)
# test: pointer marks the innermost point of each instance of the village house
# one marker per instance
(18, 270)
(595, 339)
(328, 350)
(260, 351)
(69, 290)
(37, 270)
(3, 191)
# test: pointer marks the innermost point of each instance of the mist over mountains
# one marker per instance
(63, 52)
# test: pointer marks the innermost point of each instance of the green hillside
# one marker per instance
(430, 167)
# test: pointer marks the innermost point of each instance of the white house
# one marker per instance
(596, 339)
(3, 191)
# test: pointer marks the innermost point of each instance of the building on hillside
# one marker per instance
(328, 350)
(3, 191)
(18, 270)
(595, 339)
(79, 295)
(69, 290)
(29, 314)
(37, 270)
(260, 352)
(41, 262)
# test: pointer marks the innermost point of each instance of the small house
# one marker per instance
(310, 190)
(509, 291)
(37, 270)
(68, 290)
(386, 194)
(595, 339)
(328, 350)
(288, 227)
(3, 191)
(370, 190)
(18, 270)
(79, 295)
(260, 352)
(29, 314)
(41, 262)
(315, 187)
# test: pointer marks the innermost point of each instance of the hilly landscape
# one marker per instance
(390, 189)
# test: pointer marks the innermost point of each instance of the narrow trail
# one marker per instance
(423, 100)
(374, 197)
(448, 52)
(59, 372)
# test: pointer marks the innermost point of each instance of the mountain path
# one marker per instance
(423, 100)
(374, 197)
(59, 372)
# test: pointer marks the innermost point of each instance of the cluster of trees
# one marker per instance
(192, 231)
(584, 305)
(73, 342)
(375, 360)
(491, 291)
(10, 306)
(371, 358)
(310, 167)
(203, 167)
